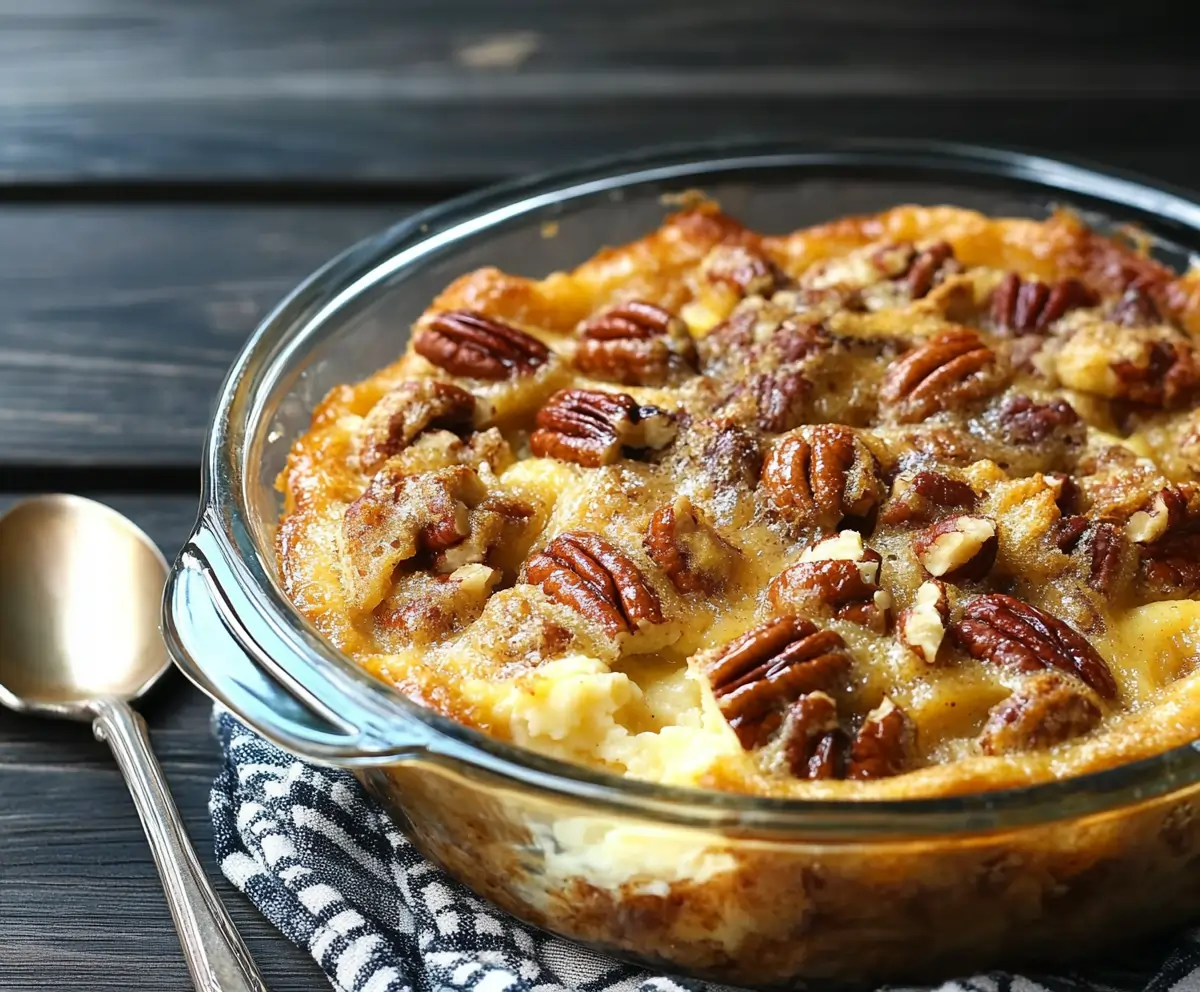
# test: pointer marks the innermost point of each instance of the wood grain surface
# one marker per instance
(168, 171)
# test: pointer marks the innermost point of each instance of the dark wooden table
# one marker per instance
(169, 170)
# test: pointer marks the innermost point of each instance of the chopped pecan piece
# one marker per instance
(399, 516)
(593, 428)
(925, 496)
(1065, 532)
(477, 346)
(635, 343)
(883, 745)
(1167, 509)
(583, 571)
(412, 407)
(1025, 306)
(837, 577)
(1002, 629)
(922, 627)
(1045, 709)
(745, 271)
(949, 370)
(961, 548)
(497, 521)
(695, 557)
(1102, 546)
(1022, 421)
(1136, 308)
(930, 267)
(756, 675)
(820, 475)
(813, 742)
(1166, 375)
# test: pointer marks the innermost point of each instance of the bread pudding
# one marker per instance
(901, 505)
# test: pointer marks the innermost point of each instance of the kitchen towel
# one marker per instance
(323, 862)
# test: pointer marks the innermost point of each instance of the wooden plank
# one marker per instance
(117, 324)
(81, 906)
(473, 89)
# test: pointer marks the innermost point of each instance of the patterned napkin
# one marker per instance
(322, 861)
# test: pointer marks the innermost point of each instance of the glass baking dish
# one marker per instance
(732, 888)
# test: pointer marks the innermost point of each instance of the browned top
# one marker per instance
(899, 505)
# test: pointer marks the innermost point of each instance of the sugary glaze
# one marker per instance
(900, 505)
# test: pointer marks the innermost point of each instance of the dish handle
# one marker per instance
(274, 679)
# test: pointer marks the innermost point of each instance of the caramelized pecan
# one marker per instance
(1045, 709)
(412, 407)
(820, 475)
(924, 496)
(1025, 306)
(1136, 307)
(1167, 374)
(837, 577)
(1166, 533)
(1166, 510)
(583, 571)
(883, 745)
(812, 739)
(1022, 421)
(635, 343)
(949, 370)
(399, 516)
(467, 343)
(497, 521)
(961, 548)
(755, 676)
(1002, 629)
(593, 428)
(695, 557)
(922, 627)
(930, 267)
(778, 400)
(745, 271)
(1065, 532)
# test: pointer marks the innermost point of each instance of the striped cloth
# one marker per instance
(322, 861)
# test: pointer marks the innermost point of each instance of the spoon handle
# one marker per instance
(216, 956)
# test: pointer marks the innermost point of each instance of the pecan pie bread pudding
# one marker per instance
(901, 505)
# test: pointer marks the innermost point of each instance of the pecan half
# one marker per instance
(635, 343)
(949, 370)
(583, 571)
(745, 271)
(925, 496)
(1045, 709)
(593, 428)
(883, 745)
(930, 267)
(837, 577)
(812, 739)
(412, 407)
(961, 548)
(779, 399)
(471, 344)
(922, 627)
(1022, 421)
(756, 675)
(695, 557)
(1026, 305)
(820, 475)
(1002, 629)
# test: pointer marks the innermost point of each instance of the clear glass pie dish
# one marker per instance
(738, 889)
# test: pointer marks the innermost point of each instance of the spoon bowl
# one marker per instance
(80, 594)
(80, 599)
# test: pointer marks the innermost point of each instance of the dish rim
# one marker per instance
(429, 736)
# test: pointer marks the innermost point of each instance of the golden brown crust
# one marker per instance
(571, 491)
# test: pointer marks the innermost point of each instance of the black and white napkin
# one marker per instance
(323, 862)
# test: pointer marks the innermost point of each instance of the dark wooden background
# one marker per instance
(169, 169)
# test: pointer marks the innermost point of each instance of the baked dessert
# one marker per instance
(901, 505)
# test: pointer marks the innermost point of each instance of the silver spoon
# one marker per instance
(80, 595)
